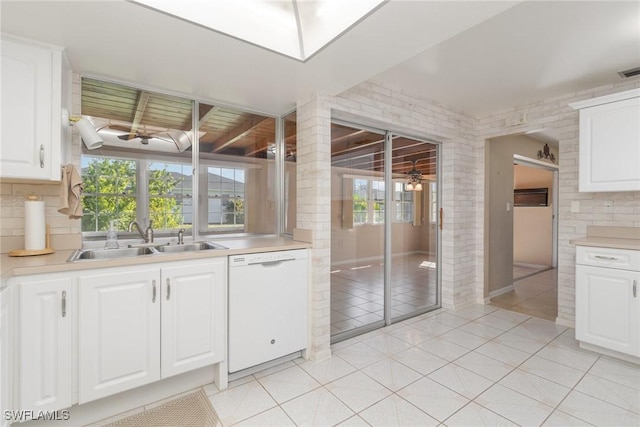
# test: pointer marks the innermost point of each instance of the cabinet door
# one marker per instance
(193, 315)
(119, 331)
(46, 311)
(6, 359)
(31, 111)
(610, 146)
(608, 308)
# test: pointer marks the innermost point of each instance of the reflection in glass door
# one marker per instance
(414, 272)
(357, 229)
(384, 225)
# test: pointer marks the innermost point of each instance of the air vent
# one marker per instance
(630, 72)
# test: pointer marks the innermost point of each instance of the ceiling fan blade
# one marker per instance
(121, 128)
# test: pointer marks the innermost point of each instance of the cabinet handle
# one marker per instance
(41, 156)
(64, 303)
(153, 298)
(635, 288)
(608, 258)
(168, 289)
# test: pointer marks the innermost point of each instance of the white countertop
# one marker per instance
(607, 242)
(57, 261)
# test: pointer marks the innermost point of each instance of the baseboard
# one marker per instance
(500, 291)
(565, 322)
(525, 265)
(377, 258)
(612, 353)
(266, 365)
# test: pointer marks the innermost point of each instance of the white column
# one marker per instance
(314, 213)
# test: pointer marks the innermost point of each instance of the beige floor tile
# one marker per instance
(395, 411)
(358, 391)
(317, 408)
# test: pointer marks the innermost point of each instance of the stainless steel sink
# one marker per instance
(89, 254)
(190, 247)
(145, 249)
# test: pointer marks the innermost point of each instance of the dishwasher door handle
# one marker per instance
(271, 263)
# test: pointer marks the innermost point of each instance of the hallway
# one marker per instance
(535, 295)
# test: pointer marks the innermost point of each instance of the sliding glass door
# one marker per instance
(384, 229)
(414, 229)
(357, 229)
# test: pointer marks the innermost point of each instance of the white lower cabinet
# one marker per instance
(608, 299)
(192, 320)
(137, 325)
(46, 342)
(119, 331)
(6, 374)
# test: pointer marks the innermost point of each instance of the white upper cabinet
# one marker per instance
(610, 142)
(35, 84)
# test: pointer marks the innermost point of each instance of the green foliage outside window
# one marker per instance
(110, 192)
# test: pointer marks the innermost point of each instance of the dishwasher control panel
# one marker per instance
(266, 257)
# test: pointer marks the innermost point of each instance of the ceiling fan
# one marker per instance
(144, 137)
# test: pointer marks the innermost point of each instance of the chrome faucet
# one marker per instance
(181, 236)
(147, 234)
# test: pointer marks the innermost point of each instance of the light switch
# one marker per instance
(508, 206)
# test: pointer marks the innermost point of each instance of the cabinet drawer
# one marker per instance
(622, 259)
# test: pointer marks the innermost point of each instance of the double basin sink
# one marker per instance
(137, 250)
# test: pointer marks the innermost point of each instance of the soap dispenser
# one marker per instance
(112, 237)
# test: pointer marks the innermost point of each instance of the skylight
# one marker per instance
(295, 28)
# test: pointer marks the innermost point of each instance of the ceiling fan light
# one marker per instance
(409, 187)
(418, 187)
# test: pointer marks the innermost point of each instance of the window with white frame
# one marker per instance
(114, 187)
(403, 201)
(225, 198)
(145, 169)
(110, 192)
(369, 202)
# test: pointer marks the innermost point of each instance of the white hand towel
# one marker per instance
(71, 192)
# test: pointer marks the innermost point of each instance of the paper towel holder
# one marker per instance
(87, 132)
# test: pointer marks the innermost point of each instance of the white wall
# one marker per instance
(533, 226)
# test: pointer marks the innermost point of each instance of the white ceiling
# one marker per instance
(475, 56)
(531, 52)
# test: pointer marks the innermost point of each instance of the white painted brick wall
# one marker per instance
(556, 114)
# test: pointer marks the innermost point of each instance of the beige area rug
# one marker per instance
(193, 410)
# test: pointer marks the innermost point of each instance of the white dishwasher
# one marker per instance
(267, 306)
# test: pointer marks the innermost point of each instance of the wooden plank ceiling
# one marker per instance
(135, 115)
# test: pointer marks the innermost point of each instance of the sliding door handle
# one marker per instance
(441, 217)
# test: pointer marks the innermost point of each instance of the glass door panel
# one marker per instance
(414, 231)
(357, 230)
(237, 182)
